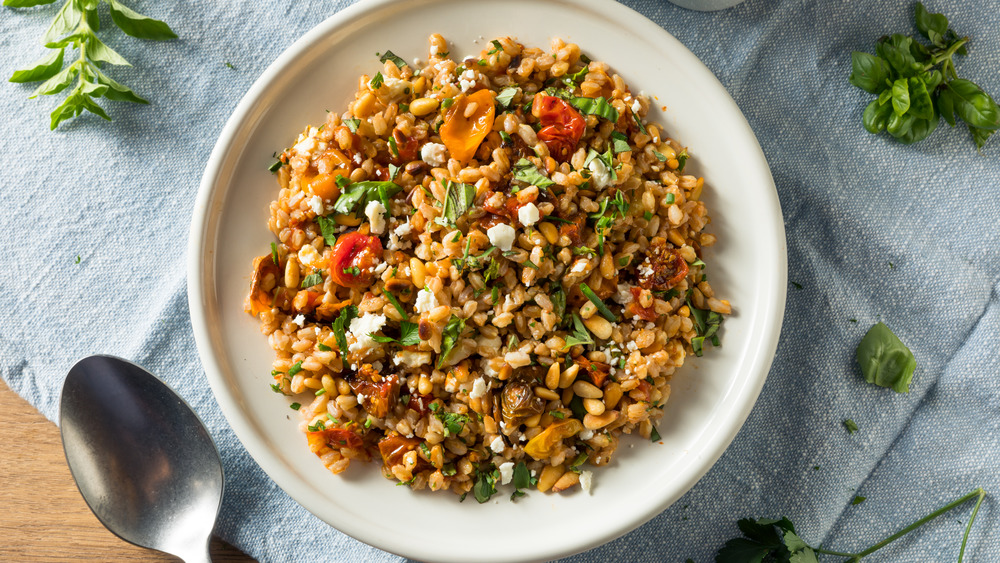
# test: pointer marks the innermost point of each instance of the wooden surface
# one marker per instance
(43, 517)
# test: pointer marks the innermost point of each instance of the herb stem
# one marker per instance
(978, 492)
(829, 552)
(946, 55)
(968, 527)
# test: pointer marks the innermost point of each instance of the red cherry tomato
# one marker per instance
(562, 126)
(338, 438)
(355, 256)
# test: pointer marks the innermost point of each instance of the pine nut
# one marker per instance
(423, 106)
(599, 326)
(292, 272)
(568, 480)
(612, 394)
(587, 390)
(568, 376)
(591, 422)
(552, 377)
(594, 406)
(547, 394)
(548, 477)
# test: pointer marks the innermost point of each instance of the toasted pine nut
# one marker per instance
(548, 477)
(587, 390)
(418, 272)
(599, 326)
(587, 310)
(547, 394)
(592, 422)
(568, 480)
(423, 106)
(551, 233)
(568, 376)
(594, 406)
(612, 394)
(292, 272)
(533, 421)
(552, 377)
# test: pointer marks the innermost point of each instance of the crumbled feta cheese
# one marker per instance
(501, 236)
(362, 327)
(397, 88)
(636, 106)
(632, 346)
(425, 301)
(586, 434)
(434, 154)
(478, 389)
(381, 267)
(528, 214)
(497, 445)
(376, 216)
(299, 320)
(579, 266)
(316, 204)
(467, 80)
(517, 359)
(305, 147)
(506, 472)
(403, 229)
(434, 50)
(361, 397)
(586, 480)
(624, 294)
(599, 174)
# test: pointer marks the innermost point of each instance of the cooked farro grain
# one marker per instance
(486, 271)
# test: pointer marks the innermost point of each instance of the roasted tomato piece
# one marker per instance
(519, 402)
(258, 300)
(462, 134)
(598, 371)
(545, 444)
(633, 309)
(335, 438)
(664, 267)
(393, 448)
(377, 394)
(420, 403)
(407, 148)
(574, 230)
(306, 301)
(325, 185)
(562, 125)
(355, 257)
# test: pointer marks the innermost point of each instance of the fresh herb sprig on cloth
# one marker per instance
(776, 540)
(75, 26)
(917, 84)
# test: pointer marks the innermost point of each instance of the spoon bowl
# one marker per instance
(141, 458)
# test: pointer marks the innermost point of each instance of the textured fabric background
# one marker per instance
(876, 230)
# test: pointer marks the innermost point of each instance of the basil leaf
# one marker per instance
(868, 72)
(920, 100)
(122, 93)
(376, 81)
(458, 199)
(138, 25)
(522, 477)
(390, 56)
(42, 69)
(896, 51)
(876, 116)
(98, 51)
(919, 130)
(595, 106)
(485, 486)
(885, 360)
(932, 79)
(57, 83)
(974, 106)
(946, 106)
(312, 279)
(900, 96)
(928, 22)
(65, 22)
(449, 337)
(979, 136)
(352, 124)
(899, 126)
(525, 171)
(885, 96)
(347, 314)
(26, 3)
(328, 228)
(356, 196)
(619, 143)
(505, 97)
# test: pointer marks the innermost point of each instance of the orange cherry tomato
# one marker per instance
(325, 185)
(462, 135)
(355, 257)
(562, 126)
(335, 438)
(633, 309)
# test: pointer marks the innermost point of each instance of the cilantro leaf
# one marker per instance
(525, 171)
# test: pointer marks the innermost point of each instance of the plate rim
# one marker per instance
(200, 271)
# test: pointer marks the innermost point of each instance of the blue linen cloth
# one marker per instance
(96, 217)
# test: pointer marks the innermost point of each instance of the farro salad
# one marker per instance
(486, 271)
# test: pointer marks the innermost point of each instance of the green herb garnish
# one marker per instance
(601, 307)
(295, 406)
(916, 83)
(274, 253)
(858, 500)
(654, 435)
(276, 165)
(595, 106)
(458, 199)
(352, 124)
(355, 196)
(390, 56)
(850, 426)
(376, 81)
(323, 347)
(296, 368)
(449, 337)
(706, 325)
(580, 334)
(312, 279)
(885, 360)
(395, 303)
(525, 171)
(74, 27)
(504, 99)
(619, 142)
(486, 481)
(347, 314)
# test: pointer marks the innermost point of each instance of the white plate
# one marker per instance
(712, 396)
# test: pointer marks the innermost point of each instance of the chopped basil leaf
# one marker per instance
(638, 122)
(276, 388)
(395, 303)
(486, 481)
(706, 324)
(376, 81)
(557, 414)
(393, 146)
(274, 253)
(654, 435)
(393, 170)
(682, 158)
(323, 347)
(328, 228)
(505, 97)
(576, 405)
(850, 425)
(449, 337)
(356, 196)
(495, 295)
(619, 142)
(660, 156)
(885, 360)
(601, 307)
(390, 56)
(312, 279)
(525, 171)
(446, 103)
(858, 500)
(497, 47)
(578, 76)
(296, 368)
(458, 199)
(295, 406)
(530, 264)
(275, 166)
(580, 460)
(580, 334)
(347, 314)
(595, 106)
(352, 124)
(558, 298)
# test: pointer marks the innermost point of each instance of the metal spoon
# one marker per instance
(142, 459)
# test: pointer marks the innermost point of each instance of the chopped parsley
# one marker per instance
(347, 314)
(446, 103)
(858, 499)
(355, 196)
(453, 422)
(497, 47)
(276, 165)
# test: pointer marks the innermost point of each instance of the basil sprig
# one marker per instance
(356, 196)
(595, 106)
(917, 84)
(74, 27)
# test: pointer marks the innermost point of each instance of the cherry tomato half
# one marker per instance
(562, 126)
(462, 135)
(355, 256)
(666, 267)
